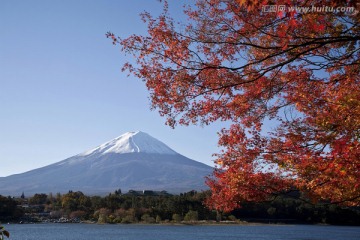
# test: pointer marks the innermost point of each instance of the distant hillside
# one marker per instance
(135, 160)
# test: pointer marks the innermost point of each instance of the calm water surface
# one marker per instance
(165, 232)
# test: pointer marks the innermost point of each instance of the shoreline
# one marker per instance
(194, 223)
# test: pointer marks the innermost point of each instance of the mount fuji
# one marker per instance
(134, 160)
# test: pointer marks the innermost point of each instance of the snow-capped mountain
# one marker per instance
(134, 160)
(131, 142)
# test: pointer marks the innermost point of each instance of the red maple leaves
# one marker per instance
(289, 84)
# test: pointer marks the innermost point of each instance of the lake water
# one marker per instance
(180, 232)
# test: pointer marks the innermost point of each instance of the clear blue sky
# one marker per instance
(62, 91)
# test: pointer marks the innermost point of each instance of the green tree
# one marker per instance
(176, 218)
(73, 201)
(147, 218)
(9, 209)
(191, 216)
(41, 198)
(103, 215)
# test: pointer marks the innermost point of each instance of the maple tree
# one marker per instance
(238, 62)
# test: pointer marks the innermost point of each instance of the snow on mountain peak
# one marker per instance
(132, 142)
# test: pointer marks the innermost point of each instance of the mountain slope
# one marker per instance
(135, 160)
(132, 142)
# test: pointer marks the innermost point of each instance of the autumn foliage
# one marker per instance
(287, 81)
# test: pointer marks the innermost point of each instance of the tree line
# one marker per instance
(183, 208)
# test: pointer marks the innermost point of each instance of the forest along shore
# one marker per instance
(152, 207)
